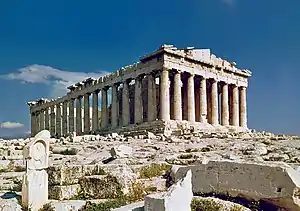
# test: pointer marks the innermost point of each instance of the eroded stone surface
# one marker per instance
(277, 183)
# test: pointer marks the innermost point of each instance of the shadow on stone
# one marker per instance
(9, 195)
(108, 160)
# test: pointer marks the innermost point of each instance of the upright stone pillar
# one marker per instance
(191, 98)
(138, 103)
(87, 120)
(42, 120)
(114, 106)
(214, 103)
(203, 101)
(52, 120)
(125, 104)
(47, 119)
(104, 112)
(152, 114)
(235, 106)
(65, 118)
(78, 115)
(164, 95)
(71, 116)
(225, 105)
(58, 120)
(177, 104)
(95, 118)
(243, 107)
(35, 180)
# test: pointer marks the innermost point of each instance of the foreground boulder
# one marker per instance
(274, 183)
(178, 197)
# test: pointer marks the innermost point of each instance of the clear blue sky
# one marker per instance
(60, 36)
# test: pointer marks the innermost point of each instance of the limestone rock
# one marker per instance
(121, 151)
(276, 183)
(178, 197)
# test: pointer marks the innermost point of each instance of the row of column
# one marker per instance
(178, 98)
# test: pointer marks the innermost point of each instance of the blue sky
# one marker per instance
(45, 45)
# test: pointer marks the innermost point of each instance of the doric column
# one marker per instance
(138, 103)
(71, 116)
(42, 120)
(203, 100)
(164, 95)
(95, 118)
(33, 123)
(225, 105)
(235, 106)
(58, 119)
(65, 118)
(87, 123)
(47, 122)
(151, 108)
(177, 104)
(125, 104)
(104, 112)
(191, 98)
(114, 106)
(214, 103)
(52, 120)
(78, 115)
(243, 107)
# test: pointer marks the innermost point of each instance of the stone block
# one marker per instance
(101, 186)
(63, 192)
(276, 183)
(178, 196)
(121, 151)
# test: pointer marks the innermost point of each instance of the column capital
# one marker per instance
(243, 87)
(79, 97)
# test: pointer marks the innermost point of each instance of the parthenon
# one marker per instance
(170, 85)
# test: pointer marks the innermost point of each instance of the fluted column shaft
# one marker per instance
(95, 118)
(33, 124)
(52, 120)
(104, 112)
(203, 101)
(71, 116)
(138, 103)
(214, 103)
(151, 98)
(114, 106)
(164, 95)
(225, 105)
(87, 123)
(125, 104)
(177, 104)
(65, 118)
(78, 115)
(42, 120)
(243, 107)
(235, 106)
(191, 98)
(47, 122)
(58, 120)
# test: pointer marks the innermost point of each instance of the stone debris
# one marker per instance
(75, 166)
(276, 183)
(121, 151)
(178, 196)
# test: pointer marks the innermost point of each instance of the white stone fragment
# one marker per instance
(178, 197)
(121, 151)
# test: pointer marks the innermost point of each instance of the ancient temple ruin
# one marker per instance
(168, 85)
